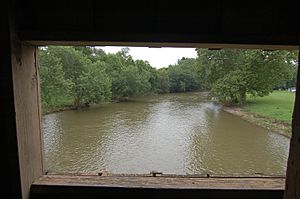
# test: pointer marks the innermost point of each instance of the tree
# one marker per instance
(129, 77)
(93, 53)
(183, 76)
(231, 74)
(95, 84)
(163, 81)
(131, 83)
(88, 82)
(53, 83)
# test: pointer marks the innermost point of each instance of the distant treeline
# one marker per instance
(78, 76)
(84, 75)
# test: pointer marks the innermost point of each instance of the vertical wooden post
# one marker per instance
(26, 98)
(20, 112)
(292, 187)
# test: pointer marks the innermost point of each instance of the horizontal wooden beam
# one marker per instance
(60, 186)
(289, 42)
(270, 183)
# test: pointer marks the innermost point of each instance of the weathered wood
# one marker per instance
(59, 186)
(155, 40)
(292, 189)
(165, 175)
(94, 42)
(26, 100)
(164, 182)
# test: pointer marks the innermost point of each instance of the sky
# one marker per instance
(157, 57)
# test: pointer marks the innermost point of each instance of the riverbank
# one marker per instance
(270, 124)
(67, 105)
(273, 112)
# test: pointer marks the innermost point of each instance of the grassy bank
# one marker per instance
(273, 112)
(278, 105)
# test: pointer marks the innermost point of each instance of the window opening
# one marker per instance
(126, 110)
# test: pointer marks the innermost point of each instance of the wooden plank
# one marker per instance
(163, 40)
(293, 169)
(165, 182)
(158, 44)
(92, 187)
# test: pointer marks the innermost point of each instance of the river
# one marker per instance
(181, 133)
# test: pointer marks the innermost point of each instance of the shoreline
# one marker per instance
(70, 107)
(56, 110)
(270, 124)
(267, 123)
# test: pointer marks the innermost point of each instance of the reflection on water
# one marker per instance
(172, 133)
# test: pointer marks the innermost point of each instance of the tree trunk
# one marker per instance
(76, 103)
(292, 186)
(243, 96)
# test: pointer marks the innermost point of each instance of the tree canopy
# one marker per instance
(231, 74)
(86, 75)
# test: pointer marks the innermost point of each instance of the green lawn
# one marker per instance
(278, 105)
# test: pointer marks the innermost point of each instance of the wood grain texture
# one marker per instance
(292, 189)
(164, 182)
(25, 84)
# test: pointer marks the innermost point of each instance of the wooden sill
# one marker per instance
(84, 186)
(162, 182)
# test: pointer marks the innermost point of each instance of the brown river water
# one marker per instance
(182, 133)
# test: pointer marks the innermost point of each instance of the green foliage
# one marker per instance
(130, 83)
(95, 84)
(129, 78)
(183, 76)
(163, 85)
(53, 84)
(69, 73)
(278, 105)
(86, 75)
(231, 88)
(231, 74)
(180, 77)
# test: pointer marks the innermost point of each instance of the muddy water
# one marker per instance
(172, 133)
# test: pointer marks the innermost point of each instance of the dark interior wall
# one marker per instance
(84, 192)
(11, 188)
(207, 21)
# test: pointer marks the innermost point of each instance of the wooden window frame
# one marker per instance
(36, 184)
